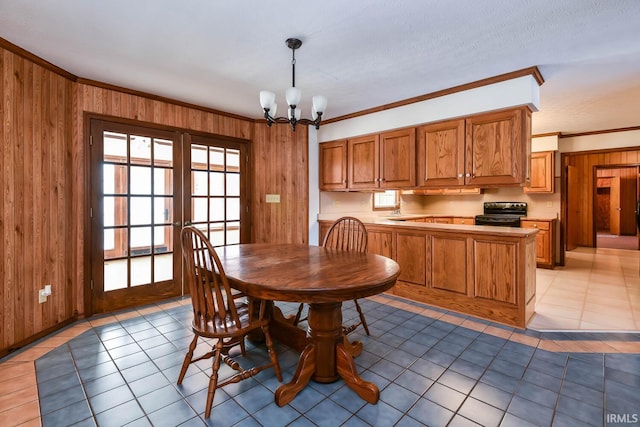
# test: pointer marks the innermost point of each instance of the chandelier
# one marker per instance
(293, 95)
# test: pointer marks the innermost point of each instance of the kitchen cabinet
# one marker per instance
(545, 240)
(369, 162)
(498, 148)
(441, 151)
(333, 166)
(483, 150)
(464, 220)
(489, 274)
(542, 172)
(384, 161)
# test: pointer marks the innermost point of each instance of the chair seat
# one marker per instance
(218, 326)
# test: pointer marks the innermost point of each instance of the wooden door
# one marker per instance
(398, 159)
(496, 148)
(363, 163)
(573, 213)
(441, 154)
(615, 209)
(333, 166)
(135, 193)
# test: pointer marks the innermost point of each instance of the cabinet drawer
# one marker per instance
(540, 225)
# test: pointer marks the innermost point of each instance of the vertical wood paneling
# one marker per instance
(43, 152)
(280, 167)
(36, 204)
(585, 163)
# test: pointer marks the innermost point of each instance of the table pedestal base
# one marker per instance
(327, 356)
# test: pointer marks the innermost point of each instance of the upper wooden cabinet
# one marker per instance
(498, 148)
(483, 150)
(542, 172)
(333, 166)
(370, 162)
(364, 162)
(398, 158)
(441, 154)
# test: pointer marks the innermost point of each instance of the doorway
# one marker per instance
(145, 184)
(615, 201)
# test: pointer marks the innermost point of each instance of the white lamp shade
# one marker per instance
(272, 111)
(267, 99)
(293, 96)
(320, 103)
(314, 113)
(295, 114)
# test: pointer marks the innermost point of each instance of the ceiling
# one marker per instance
(360, 54)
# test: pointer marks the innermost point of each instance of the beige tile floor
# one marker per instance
(596, 290)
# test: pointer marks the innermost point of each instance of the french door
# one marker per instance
(145, 184)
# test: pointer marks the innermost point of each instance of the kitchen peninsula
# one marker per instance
(483, 271)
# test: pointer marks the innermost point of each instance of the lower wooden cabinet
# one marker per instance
(486, 274)
(545, 241)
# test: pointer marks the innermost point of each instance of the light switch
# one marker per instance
(273, 198)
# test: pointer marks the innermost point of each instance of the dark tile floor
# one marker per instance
(430, 372)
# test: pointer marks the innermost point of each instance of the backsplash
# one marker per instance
(360, 204)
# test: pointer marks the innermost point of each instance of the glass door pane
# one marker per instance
(215, 190)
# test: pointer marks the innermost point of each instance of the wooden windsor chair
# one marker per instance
(219, 315)
(348, 234)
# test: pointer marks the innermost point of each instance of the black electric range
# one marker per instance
(502, 214)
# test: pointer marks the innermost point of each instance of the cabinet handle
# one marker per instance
(468, 175)
(459, 175)
(535, 225)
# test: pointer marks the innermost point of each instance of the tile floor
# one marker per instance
(596, 290)
(433, 368)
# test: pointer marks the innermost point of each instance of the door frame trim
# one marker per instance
(86, 222)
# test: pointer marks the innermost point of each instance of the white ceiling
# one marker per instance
(360, 54)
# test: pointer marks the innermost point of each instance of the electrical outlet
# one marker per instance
(549, 204)
(42, 296)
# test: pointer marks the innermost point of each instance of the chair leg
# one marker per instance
(213, 380)
(187, 359)
(362, 319)
(272, 352)
(296, 320)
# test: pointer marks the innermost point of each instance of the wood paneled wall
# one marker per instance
(36, 200)
(585, 164)
(43, 149)
(280, 162)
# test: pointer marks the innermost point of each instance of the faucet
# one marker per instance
(395, 212)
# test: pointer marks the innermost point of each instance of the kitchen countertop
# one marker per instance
(400, 221)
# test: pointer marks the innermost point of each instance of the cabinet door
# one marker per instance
(496, 148)
(543, 240)
(364, 158)
(542, 173)
(441, 154)
(380, 242)
(495, 270)
(398, 159)
(333, 166)
(449, 264)
(411, 254)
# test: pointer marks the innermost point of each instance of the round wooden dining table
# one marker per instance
(323, 278)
